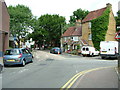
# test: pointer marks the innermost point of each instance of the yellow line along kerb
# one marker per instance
(75, 77)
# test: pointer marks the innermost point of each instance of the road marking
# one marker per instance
(70, 83)
(21, 71)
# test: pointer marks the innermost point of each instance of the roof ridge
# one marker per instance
(97, 9)
(94, 14)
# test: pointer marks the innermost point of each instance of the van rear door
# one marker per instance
(107, 48)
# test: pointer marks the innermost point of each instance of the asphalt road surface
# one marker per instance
(50, 72)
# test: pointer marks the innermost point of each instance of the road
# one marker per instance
(50, 71)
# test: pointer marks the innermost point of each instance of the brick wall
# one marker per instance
(4, 27)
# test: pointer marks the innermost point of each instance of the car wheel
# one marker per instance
(23, 63)
(103, 57)
(1, 68)
(92, 55)
(5, 65)
(83, 55)
(31, 61)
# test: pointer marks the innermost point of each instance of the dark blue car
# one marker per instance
(17, 56)
(56, 50)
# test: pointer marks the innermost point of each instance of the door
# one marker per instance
(25, 55)
(29, 55)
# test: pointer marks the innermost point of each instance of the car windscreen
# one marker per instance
(87, 49)
(83, 49)
(12, 52)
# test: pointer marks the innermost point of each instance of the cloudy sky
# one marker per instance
(63, 7)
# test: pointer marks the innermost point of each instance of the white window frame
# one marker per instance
(65, 38)
(75, 38)
(90, 37)
(89, 25)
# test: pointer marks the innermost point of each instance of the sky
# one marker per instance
(63, 7)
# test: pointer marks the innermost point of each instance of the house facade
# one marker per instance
(4, 27)
(86, 25)
(71, 38)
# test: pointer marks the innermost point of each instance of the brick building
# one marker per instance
(72, 36)
(4, 27)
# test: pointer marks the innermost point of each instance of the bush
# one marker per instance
(75, 52)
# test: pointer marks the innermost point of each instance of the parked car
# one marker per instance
(108, 49)
(17, 56)
(56, 50)
(89, 51)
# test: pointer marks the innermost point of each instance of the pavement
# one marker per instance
(99, 78)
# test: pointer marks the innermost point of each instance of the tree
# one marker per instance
(78, 14)
(118, 19)
(20, 17)
(50, 26)
(38, 33)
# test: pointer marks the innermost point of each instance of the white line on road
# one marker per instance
(21, 71)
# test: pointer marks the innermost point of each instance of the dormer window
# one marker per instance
(76, 29)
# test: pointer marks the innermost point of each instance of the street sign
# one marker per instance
(117, 36)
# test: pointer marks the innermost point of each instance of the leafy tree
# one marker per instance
(38, 33)
(66, 26)
(50, 27)
(78, 14)
(20, 17)
(118, 19)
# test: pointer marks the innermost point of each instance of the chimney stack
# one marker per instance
(108, 5)
(78, 22)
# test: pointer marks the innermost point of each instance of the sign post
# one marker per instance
(117, 37)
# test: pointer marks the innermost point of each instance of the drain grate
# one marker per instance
(49, 59)
(42, 64)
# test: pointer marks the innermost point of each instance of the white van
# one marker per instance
(89, 51)
(108, 49)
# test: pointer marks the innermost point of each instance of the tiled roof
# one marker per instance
(73, 31)
(77, 32)
(94, 14)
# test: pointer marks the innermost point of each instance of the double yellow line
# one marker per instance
(74, 78)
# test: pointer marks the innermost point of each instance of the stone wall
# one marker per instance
(85, 33)
(111, 28)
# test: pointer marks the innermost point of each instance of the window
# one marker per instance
(90, 37)
(83, 49)
(87, 49)
(75, 38)
(65, 39)
(24, 51)
(71, 38)
(89, 25)
(12, 52)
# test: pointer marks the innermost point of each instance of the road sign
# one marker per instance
(117, 36)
